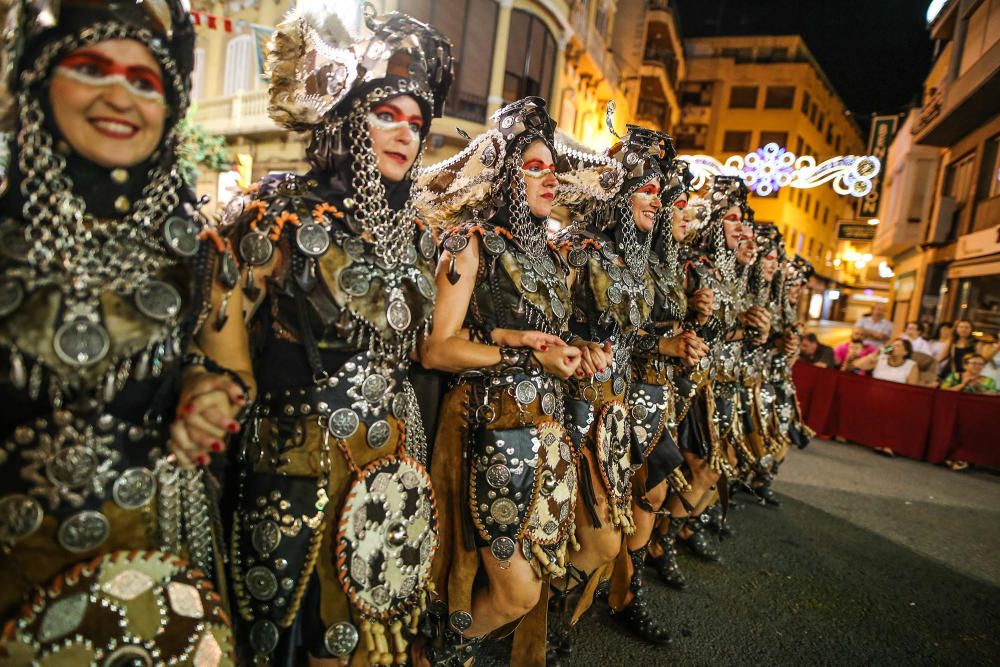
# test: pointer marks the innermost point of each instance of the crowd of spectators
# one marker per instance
(953, 359)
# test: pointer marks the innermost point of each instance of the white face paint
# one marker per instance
(536, 172)
(381, 123)
(137, 88)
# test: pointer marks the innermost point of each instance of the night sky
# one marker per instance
(876, 52)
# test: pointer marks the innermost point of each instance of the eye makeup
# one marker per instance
(537, 169)
(94, 69)
(389, 117)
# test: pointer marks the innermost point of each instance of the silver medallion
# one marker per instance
(355, 280)
(460, 621)
(548, 265)
(354, 247)
(618, 386)
(83, 531)
(378, 434)
(426, 244)
(181, 235)
(397, 313)
(639, 412)
(158, 300)
(494, 244)
(11, 296)
(528, 282)
(73, 466)
(615, 294)
(647, 295)
(608, 251)
(489, 157)
(265, 537)
(261, 583)
(399, 406)
(525, 392)
(20, 516)
(373, 388)
(340, 639)
(634, 316)
(577, 257)
(608, 179)
(456, 243)
(134, 488)
(603, 375)
(503, 511)
(548, 403)
(264, 637)
(81, 342)
(343, 423)
(614, 272)
(312, 239)
(498, 475)
(426, 286)
(502, 548)
(507, 122)
(558, 308)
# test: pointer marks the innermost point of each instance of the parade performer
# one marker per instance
(336, 521)
(105, 281)
(503, 466)
(607, 249)
(756, 392)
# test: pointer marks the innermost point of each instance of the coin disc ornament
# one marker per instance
(81, 343)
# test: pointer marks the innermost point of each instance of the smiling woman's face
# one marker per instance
(769, 265)
(645, 204)
(395, 125)
(539, 178)
(108, 102)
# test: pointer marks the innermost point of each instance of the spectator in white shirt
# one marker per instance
(915, 334)
(877, 329)
(892, 364)
(988, 351)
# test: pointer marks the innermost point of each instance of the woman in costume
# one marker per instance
(503, 466)
(101, 291)
(614, 296)
(336, 522)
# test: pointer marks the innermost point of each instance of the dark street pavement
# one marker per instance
(869, 561)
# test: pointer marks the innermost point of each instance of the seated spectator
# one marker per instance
(971, 380)
(876, 329)
(989, 352)
(845, 354)
(915, 334)
(961, 345)
(814, 352)
(893, 364)
(940, 342)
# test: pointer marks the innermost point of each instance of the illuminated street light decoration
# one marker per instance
(771, 168)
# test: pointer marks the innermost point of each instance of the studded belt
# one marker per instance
(529, 391)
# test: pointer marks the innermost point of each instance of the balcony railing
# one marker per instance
(242, 113)
(595, 45)
(664, 57)
(930, 110)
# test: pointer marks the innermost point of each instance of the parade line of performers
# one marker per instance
(378, 414)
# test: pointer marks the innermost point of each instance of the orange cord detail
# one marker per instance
(261, 208)
(503, 232)
(322, 209)
(279, 223)
(213, 234)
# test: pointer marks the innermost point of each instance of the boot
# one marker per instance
(764, 492)
(716, 523)
(563, 600)
(666, 563)
(699, 543)
(636, 616)
(446, 646)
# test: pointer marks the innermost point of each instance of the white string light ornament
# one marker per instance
(768, 169)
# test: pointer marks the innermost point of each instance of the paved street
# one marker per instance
(870, 561)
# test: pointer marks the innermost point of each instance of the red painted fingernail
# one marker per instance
(216, 446)
(188, 409)
(233, 427)
(202, 459)
(241, 399)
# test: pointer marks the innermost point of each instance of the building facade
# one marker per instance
(946, 250)
(577, 54)
(743, 93)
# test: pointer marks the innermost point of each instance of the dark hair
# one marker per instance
(937, 331)
(908, 346)
(920, 327)
(811, 337)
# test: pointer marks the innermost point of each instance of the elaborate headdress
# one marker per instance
(486, 177)
(799, 271)
(315, 65)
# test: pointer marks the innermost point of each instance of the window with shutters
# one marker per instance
(239, 65)
(743, 97)
(779, 97)
(531, 58)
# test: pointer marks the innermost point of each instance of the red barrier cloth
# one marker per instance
(877, 413)
(918, 422)
(816, 389)
(966, 427)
